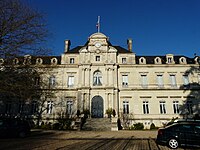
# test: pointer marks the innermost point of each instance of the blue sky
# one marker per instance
(157, 27)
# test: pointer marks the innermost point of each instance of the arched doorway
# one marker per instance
(97, 107)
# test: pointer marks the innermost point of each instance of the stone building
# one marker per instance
(98, 76)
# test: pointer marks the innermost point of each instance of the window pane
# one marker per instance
(185, 79)
(173, 80)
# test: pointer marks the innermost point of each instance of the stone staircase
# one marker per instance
(97, 124)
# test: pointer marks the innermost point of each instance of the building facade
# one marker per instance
(98, 76)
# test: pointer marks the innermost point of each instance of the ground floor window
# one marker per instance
(145, 107)
(189, 107)
(49, 107)
(162, 107)
(69, 107)
(125, 107)
(176, 107)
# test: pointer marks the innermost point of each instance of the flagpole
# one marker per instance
(98, 24)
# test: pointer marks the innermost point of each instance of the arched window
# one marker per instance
(97, 78)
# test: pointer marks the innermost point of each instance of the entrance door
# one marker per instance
(97, 107)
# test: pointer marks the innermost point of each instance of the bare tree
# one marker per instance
(22, 29)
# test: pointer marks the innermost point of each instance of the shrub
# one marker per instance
(152, 126)
(138, 126)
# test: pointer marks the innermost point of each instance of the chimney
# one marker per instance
(67, 45)
(129, 43)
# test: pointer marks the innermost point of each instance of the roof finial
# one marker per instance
(98, 24)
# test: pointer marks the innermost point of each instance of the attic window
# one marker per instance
(1, 61)
(54, 61)
(71, 60)
(157, 60)
(123, 60)
(39, 61)
(182, 60)
(142, 60)
(15, 61)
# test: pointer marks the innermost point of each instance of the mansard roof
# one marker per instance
(150, 59)
(119, 49)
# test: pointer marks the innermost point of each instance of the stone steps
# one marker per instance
(97, 124)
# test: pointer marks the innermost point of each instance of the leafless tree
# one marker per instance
(22, 29)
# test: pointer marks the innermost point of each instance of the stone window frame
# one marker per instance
(39, 61)
(182, 60)
(157, 60)
(54, 61)
(142, 60)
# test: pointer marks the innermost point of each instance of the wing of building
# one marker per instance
(99, 76)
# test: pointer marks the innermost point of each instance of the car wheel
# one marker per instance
(173, 143)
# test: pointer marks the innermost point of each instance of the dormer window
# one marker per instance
(123, 60)
(71, 61)
(54, 61)
(142, 60)
(39, 61)
(1, 61)
(170, 59)
(97, 58)
(182, 60)
(157, 60)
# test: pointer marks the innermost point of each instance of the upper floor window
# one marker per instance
(70, 81)
(97, 78)
(144, 82)
(145, 107)
(124, 80)
(173, 80)
(97, 58)
(162, 107)
(52, 81)
(176, 107)
(125, 107)
(71, 60)
(123, 60)
(189, 107)
(160, 80)
(185, 80)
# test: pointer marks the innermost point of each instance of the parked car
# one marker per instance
(183, 120)
(179, 134)
(12, 127)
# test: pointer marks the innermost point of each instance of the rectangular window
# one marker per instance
(49, 107)
(176, 107)
(162, 107)
(123, 60)
(71, 60)
(144, 81)
(69, 107)
(189, 107)
(160, 80)
(199, 78)
(125, 107)
(185, 80)
(124, 80)
(97, 58)
(52, 81)
(70, 81)
(173, 80)
(145, 107)
(37, 81)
